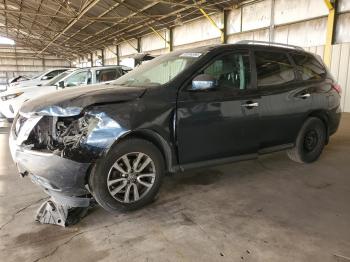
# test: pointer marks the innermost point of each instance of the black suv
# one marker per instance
(186, 109)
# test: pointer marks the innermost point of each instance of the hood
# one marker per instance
(18, 89)
(25, 83)
(70, 102)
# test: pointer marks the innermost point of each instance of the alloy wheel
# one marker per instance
(131, 177)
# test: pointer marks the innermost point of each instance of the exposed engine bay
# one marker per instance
(63, 136)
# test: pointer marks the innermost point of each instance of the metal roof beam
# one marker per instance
(71, 23)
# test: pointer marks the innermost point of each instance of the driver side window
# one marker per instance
(78, 79)
(231, 71)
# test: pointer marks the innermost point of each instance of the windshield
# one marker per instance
(158, 71)
(58, 78)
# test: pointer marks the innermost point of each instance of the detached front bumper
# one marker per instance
(61, 178)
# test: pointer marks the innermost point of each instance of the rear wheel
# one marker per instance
(310, 141)
(129, 177)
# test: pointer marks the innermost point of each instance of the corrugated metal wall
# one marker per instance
(18, 61)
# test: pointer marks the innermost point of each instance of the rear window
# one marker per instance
(273, 68)
(309, 67)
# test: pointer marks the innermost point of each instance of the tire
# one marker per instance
(112, 168)
(310, 141)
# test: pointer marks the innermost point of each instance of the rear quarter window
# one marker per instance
(308, 67)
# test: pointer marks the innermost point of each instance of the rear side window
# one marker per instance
(309, 67)
(107, 75)
(273, 68)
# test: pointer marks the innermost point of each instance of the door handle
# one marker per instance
(307, 95)
(250, 104)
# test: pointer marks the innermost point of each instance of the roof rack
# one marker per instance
(253, 42)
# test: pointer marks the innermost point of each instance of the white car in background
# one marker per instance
(40, 79)
(12, 100)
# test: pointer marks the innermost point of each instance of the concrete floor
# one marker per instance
(270, 209)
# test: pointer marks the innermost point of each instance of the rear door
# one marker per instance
(221, 122)
(284, 98)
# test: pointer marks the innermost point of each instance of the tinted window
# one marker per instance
(107, 75)
(231, 71)
(273, 68)
(309, 67)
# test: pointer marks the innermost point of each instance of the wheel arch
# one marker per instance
(323, 116)
(157, 140)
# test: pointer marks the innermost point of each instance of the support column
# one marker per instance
(171, 39)
(224, 30)
(138, 48)
(103, 57)
(331, 5)
(272, 22)
(117, 54)
(91, 60)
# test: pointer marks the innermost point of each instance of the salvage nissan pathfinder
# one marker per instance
(186, 109)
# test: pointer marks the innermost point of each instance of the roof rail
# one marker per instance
(253, 42)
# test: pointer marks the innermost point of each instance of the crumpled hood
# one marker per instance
(70, 102)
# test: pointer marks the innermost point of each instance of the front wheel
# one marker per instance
(310, 141)
(129, 177)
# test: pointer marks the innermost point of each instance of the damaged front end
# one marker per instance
(57, 151)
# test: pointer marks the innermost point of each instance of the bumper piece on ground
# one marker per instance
(51, 212)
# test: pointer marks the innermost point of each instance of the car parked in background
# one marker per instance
(186, 109)
(13, 99)
(40, 79)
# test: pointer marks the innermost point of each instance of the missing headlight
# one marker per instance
(63, 136)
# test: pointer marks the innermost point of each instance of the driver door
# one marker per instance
(218, 123)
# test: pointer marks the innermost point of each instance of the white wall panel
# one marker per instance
(197, 44)
(256, 15)
(343, 72)
(198, 30)
(153, 41)
(342, 33)
(110, 52)
(158, 52)
(234, 21)
(287, 11)
(111, 61)
(344, 5)
(308, 33)
(125, 49)
(258, 35)
(281, 34)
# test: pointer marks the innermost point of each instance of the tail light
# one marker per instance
(337, 88)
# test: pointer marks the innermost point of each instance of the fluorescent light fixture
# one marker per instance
(6, 41)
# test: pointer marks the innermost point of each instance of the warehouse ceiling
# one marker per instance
(74, 27)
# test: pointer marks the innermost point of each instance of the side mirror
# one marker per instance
(61, 84)
(45, 78)
(204, 82)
